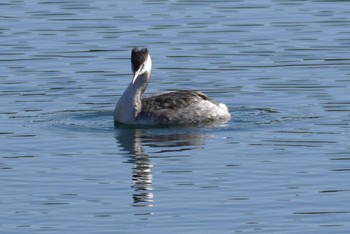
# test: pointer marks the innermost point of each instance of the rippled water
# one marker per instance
(281, 165)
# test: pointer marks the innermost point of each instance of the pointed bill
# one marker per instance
(136, 74)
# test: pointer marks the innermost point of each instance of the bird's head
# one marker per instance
(141, 62)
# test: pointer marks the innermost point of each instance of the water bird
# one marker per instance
(169, 108)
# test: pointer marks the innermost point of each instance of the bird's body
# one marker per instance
(170, 108)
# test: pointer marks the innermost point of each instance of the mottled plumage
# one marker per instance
(172, 100)
(178, 107)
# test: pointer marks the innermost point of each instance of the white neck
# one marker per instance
(129, 104)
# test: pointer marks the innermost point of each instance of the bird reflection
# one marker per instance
(165, 141)
(130, 140)
(133, 141)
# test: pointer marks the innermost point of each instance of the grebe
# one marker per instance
(169, 108)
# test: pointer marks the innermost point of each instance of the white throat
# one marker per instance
(129, 104)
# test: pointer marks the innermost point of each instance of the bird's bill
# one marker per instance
(136, 74)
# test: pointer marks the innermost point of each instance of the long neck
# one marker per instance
(129, 104)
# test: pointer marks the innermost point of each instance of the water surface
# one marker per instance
(281, 165)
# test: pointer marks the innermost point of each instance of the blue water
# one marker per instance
(281, 165)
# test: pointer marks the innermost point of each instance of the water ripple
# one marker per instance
(281, 165)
